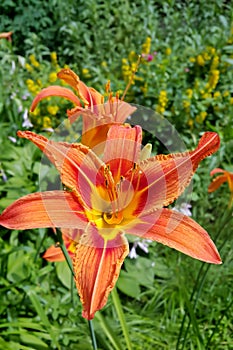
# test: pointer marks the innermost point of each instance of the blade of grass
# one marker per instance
(34, 299)
(108, 331)
(121, 316)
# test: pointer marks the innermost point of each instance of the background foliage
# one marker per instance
(186, 75)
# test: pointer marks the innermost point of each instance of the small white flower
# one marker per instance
(12, 139)
(184, 208)
(132, 253)
(26, 121)
(13, 66)
(142, 244)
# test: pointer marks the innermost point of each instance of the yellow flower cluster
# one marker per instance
(163, 100)
(189, 93)
(52, 77)
(205, 56)
(47, 124)
(201, 117)
(146, 46)
(215, 62)
(33, 87)
(28, 67)
(129, 69)
(34, 61)
(200, 60)
(126, 69)
(52, 109)
(213, 79)
(53, 57)
(186, 105)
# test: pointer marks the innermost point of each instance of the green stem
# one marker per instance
(93, 339)
(119, 310)
(69, 262)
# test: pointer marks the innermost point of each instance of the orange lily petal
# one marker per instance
(217, 182)
(177, 231)
(122, 149)
(44, 209)
(6, 35)
(55, 91)
(54, 253)
(97, 268)
(89, 96)
(70, 237)
(216, 170)
(170, 174)
(77, 164)
(98, 120)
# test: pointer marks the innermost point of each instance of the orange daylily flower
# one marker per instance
(89, 103)
(6, 35)
(225, 176)
(54, 253)
(106, 198)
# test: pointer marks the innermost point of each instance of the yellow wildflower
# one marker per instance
(168, 51)
(53, 57)
(206, 56)
(146, 46)
(28, 67)
(215, 62)
(200, 60)
(186, 105)
(52, 109)
(162, 102)
(52, 77)
(104, 64)
(211, 50)
(189, 93)
(217, 94)
(201, 117)
(132, 56)
(192, 59)
(213, 78)
(36, 112)
(231, 100)
(206, 95)
(47, 123)
(226, 93)
(85, 71)
(33, 61)
(190, 123)
(144, 88)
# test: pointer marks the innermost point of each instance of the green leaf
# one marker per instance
(17, 267)
(128, 285)
(33, 340)
(64, 274)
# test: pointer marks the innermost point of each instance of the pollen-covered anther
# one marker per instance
(113, 218)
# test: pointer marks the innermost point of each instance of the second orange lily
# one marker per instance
(89, 103)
